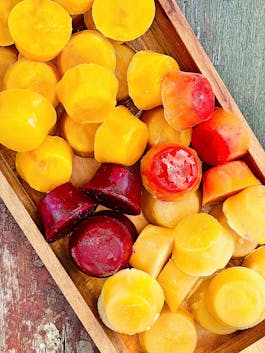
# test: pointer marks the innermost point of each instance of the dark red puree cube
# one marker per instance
(221, 139)
(123, 219)
(100, 246)
(62, 209)
(116, 187)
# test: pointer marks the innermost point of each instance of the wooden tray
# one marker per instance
(170, 34)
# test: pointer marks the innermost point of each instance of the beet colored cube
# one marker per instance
(100, 246)
(116, 187)
(221, 139)
(62, 209)
(123, 219)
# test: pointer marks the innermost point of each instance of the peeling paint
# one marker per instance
(84, 347)
(9, 293)
(47, 339)
(67, 338)
(11, 287)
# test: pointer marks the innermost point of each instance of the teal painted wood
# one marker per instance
(232, 33)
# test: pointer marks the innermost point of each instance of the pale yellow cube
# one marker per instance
(202, 245)
(236, 297)
(243, 246)
(152, 249)
(256, 261)
(171, 333)
(177, 285)
(200, 312)
(169, 213)
(130, 301)
(245, 213)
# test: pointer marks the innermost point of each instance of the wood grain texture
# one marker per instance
(213, 30)
(258, 347)
(34, 316)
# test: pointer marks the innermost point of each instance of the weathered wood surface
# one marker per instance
(34, 317)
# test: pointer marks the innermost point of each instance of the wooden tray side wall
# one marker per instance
(170, 34)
